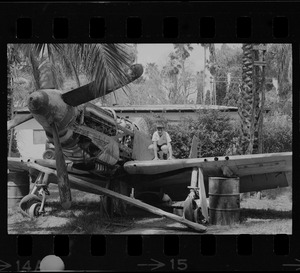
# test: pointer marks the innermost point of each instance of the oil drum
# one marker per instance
(224, 200)
(17, 187)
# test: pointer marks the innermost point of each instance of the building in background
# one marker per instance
(31, 138)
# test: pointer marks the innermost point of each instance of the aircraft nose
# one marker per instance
(37, 102)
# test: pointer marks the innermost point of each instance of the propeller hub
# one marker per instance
(137, 70)
(38, 102)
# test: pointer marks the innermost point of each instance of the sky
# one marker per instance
(158, 53)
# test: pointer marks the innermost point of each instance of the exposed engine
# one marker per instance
(99, 140)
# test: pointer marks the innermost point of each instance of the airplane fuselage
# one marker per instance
(92, 137)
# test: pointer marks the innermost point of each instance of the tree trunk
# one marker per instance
(246, 100)
(9, 109)
(10, 133)
(204, 77)
(213, 73)
(251, 104)
(260, 69)
(200, 85)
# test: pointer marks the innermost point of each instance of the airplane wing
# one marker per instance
(21, 164)
(34, 166)
(256, 171)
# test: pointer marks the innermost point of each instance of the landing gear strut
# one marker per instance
(33, 204)
(191, 211)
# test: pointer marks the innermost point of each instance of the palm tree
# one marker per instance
(182, 52)
(205, 46)
(171, 72)
(213, 72)
(251, 103)
(102, 63)
(211, 64)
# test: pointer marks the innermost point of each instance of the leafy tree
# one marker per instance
(207, 98)
(12, 61)
(279, 69)
(279, 66)
(152, 71)
(232, 97)
(210, 64)
(179, 78)
(148, 90)
(187, 85)
(229, 61)
(170, 72)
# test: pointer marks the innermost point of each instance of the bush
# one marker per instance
(213, 128)
(14, 147)
(219, 137)
(216, 133)
(181, 140)
(277, 134)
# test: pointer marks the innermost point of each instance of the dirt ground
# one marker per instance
(257, 216)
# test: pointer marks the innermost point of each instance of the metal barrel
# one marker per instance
(224, 200)
(17, 187)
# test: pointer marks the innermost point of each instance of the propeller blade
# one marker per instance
(62, 173)
(87, 92)
(18, 119)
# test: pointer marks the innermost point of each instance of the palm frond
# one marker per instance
(106, 64)
(47, 49)
(57, 76)
(35, 70)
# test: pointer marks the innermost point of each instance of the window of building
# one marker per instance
(39, 137)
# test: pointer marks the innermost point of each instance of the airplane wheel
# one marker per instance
(189, 206)
(34, 210)
(28, 201)
(199, 218)
(49, 154)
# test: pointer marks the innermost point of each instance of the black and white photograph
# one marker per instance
(156, 138)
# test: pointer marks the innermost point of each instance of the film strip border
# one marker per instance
(149, 22)
(154, 22)
(62, 245)
(169, 252)
(135, 25)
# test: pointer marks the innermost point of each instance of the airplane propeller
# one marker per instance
(87, 92)
(48, 106)
(18, 120)
(61, 170)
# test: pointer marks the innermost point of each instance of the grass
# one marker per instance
(257, 216)
(262, 216)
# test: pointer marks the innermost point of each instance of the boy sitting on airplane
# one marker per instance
(161, 143)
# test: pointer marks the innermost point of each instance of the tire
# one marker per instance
(27, 201)
(49, 154)
(189, 206)
(33, 211)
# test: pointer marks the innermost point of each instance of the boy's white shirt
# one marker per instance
(160, 140)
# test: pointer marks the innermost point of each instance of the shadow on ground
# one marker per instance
(264, 214)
